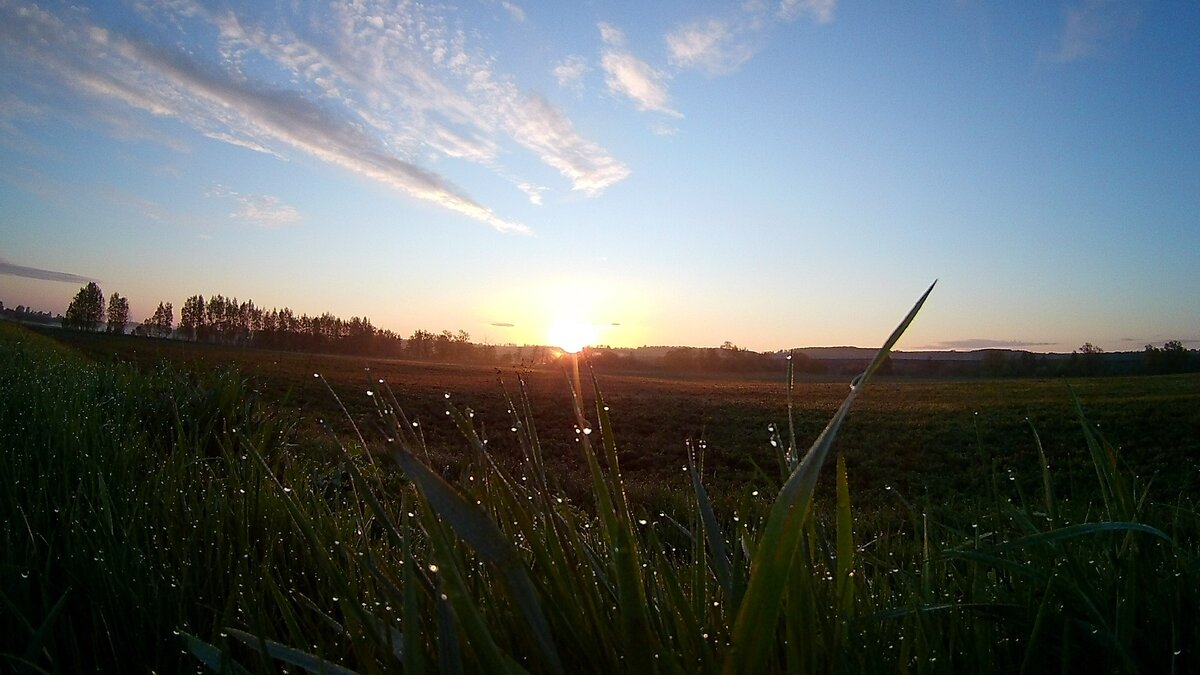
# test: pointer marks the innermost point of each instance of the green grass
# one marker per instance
(158, 518)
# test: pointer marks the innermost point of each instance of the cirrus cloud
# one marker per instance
(371, 87)
(629, 76)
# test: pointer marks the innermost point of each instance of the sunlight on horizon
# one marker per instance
(571, 336)
(569, 315)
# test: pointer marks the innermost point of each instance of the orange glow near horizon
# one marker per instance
(568, 314)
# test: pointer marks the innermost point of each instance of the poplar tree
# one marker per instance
(118, 314)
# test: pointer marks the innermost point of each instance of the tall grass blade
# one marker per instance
(43, 632)
(290, 655)
(1047, 484)
(1113, 487)
(474, 527)
(1080, 530)
(754, 628)
(449, 650)
(214, 658)
(845, 545)
(718, 556)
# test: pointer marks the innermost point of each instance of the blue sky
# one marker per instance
(772, 173)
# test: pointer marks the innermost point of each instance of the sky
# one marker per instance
(775, 174)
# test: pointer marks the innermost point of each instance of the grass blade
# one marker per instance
(216, 660)
(474, 527)
(718, 556)
(290, 655)
(753, 632)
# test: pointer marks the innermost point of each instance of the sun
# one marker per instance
(571, 336)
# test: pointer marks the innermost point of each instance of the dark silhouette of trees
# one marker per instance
(160, 323)
(118, 314)
(1090, 360)
(420, 344)
(192, 320)
(1170, 358)
(728, 358)
(86, 310)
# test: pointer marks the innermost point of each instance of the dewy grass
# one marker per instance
(142, 504)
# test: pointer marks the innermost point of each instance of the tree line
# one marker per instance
(228, 321)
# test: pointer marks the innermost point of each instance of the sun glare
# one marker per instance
(571, 336)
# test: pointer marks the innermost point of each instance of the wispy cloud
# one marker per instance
(370, 87)
(265, 211)
(629, 76)
(514, 11)
(1094, 25)
(709, 45)
(15, 270)
(720, 45)
(820, 11)
(534, 192)
(504, 324)
(540, 127)
(570, 72)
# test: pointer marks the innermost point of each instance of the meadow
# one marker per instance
(174, 505)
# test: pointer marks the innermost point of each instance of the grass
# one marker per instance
(147, 501)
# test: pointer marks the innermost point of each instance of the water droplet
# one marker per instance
(316, 374)
(433, 568)
(587, 430)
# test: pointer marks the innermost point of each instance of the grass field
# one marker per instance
(164, 511)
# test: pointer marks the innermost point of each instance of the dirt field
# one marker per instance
(930, 439)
